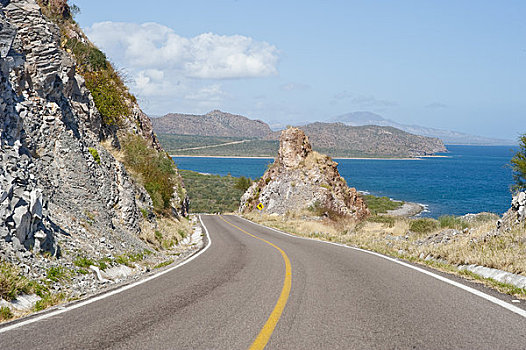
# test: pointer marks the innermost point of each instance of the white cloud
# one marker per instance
(206, 56)
(211, 93)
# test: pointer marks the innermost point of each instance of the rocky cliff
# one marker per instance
(62, 190)
(302, 179)
(516, 215)
(214, 123)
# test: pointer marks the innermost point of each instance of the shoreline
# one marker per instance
(235, 157)
(408, 209)
(335, 158)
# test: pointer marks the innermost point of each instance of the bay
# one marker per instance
(469, 179)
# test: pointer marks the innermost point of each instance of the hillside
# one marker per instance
(214, 123)
(224, 134)
(84, 181)
(447, 136)
(370, 141)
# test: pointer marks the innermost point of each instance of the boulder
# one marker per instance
(7, 36)
(22, 219)
(302, 179)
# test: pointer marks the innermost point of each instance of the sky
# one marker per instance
(457, 65)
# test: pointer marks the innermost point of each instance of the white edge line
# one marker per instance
(476, 292)
(113, 292)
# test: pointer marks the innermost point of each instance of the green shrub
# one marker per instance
(379, 205)
(57, 274)
(94, 154)
(109, 95)
(382, 219)
(163, 264)
(5, 313)
(423, 225)
(242, 183)
(157, 170)
(450, 221)
(518, 165)
(12, 283)
(129, 258)
(158, 236)
(82, 261)
(87, 56)
(48, 300)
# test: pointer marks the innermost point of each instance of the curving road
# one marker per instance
(257, 287)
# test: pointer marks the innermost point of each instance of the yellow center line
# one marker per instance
(267, 330)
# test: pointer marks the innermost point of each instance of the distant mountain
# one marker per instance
(208, 135)
(448, 136)
(214, 123)
(369, 141)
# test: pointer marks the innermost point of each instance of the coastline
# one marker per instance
(408, 209)
(334, 158)
(235, 157)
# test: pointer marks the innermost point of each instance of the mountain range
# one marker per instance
(449, 137)
(335, 139)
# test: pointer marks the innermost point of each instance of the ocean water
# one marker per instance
(470, 179)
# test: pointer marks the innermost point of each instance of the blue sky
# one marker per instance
(456, 65)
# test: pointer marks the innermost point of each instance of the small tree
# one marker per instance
(243, 183)
(518, 165)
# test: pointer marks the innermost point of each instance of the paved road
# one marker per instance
(340, 299)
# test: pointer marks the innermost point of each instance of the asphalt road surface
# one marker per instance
(254, 287)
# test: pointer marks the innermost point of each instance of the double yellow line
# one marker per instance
(264, 335)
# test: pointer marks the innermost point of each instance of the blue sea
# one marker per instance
(469, 179)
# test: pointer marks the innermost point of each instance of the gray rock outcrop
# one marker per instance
(302, 179)
(516, 215)
(54, 195)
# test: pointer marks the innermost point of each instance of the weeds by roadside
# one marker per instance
(450, 241)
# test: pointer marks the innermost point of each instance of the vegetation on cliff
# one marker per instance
(154, 169)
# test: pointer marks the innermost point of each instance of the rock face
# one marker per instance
(516, 215)
(214, 123)
(53, 192)
(301, 179)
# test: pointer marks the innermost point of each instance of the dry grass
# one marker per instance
(167, 233)
(477, 244)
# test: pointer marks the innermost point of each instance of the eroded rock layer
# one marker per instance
(301, 179)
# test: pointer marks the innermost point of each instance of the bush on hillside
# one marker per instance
(109, 95)
(424, 225)
(88, 57)
(58, 10)
(243, 183)
(156, 170)
(451, 221)
(518, 165)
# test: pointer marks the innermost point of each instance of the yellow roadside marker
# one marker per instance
(267, 330)
(260, 206)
